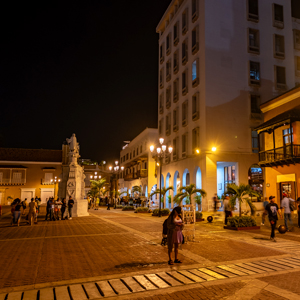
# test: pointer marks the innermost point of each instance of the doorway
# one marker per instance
(289, 188)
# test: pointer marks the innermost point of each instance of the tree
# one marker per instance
(241, 193)
(136, 189)
(99, 186)
(198, 201)
(163, 192)
(187, 192)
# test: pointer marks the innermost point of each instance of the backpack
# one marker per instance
(165, 227)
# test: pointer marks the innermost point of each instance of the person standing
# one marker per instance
(24, 205)
(263, 218)
(174, 237)
(286, 206)
(227, 208)
(272, 210)
(215, 202)
(70, 207)
(63, 208)
(17, 213)
(32, 211)
(48, 209)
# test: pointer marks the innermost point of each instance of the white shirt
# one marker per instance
(285, 203)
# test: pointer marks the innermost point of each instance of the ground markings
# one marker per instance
(148, 282)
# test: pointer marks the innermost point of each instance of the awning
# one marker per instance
(285, 118)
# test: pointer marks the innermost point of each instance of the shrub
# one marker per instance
(142, 209)
(164, 211)
(102, 204)
(244, 221)
(198, 215)
(119, 206)
(128, 208)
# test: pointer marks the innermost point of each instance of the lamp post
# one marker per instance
(160, 153)
(95, 176)
(116, 170)
(55, 181)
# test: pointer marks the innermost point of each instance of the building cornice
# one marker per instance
(30, 162)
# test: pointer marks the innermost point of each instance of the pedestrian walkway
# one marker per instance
(154, 281)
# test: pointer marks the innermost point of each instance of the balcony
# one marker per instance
(142, 173)
(139, 174)
(282, 156)
(13, 181)
(128, 177)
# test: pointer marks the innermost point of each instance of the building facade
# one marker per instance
(28, 173)
(279, 154)
(139, 166)
(218, 61)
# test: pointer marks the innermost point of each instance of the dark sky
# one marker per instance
(87, 67)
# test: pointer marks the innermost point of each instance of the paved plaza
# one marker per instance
(115, 254)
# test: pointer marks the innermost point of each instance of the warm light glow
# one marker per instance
(116, 162)
(51, 180)
(104, 162)
(122, 168)
(158, 150)
(91, 176)
(197, 151)
(161, 140)
(151, 148)
(95, 173)
(58, 180)
(213, 149)
(157, 164)
(170, 149)
(163, 147)
(110, 168)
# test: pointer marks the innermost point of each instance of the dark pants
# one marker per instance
(298, 218)
(63, 209)
(50, 213)
(227, 214)
(273, 227)
(70, 212)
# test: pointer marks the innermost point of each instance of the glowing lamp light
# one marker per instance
(122, 168)
(213, 149)
(170, 149)
(116, 162)
(151, 148)
(197, 151)
(91, 176)
(163, 147)
(158, 150)
(157, 164)
(161, 140)
(110, 168)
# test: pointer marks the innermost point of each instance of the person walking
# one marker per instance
(215, 202)
(24, 205)
(263, 217)
(32, 211)
(17, 213)
(70, 207)
(49, 209)
(174, 236)
(272, 210)
(286, 206)
(227, 208)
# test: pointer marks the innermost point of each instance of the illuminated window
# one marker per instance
(195, 72)
(287, 136)
(253, 10)
(278, 16)
(253, 40)
(279, 51)
(254, 73)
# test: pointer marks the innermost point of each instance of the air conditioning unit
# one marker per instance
(184, 123)
(195, 16)
(184, 91)
(184, 30)
(278, 24)
(195, 48)
(184, 60)
(175, 97)
(175, 128)
(195, 116)
(175, 69)
(195, 82)
(162, 59)
(176, 41)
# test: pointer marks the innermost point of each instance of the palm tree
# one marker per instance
(187, 192)
(163, 192)
(99, 186)
(198, 201)
(241, 193)
(136, 189)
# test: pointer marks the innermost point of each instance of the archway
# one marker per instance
(176, 183)
(198, 180)
(167, 204)
(186, 178)
(153, 198)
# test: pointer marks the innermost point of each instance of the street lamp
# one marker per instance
(55, 181)
(116, 170)
(95, 176)
(159, 155)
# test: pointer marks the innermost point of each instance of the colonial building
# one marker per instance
(279, 151)
(27, 173)
(139, 166)
(218, 61)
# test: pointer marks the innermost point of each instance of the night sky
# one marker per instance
(87, 67)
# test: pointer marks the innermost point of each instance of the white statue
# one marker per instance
(74, 146)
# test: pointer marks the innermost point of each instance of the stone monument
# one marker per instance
(72, 178)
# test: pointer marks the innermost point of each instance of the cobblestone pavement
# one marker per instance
(111, 243)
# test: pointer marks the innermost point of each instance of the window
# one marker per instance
(17, 177)
(161, 78)
(184, 113)
(287, 136)
(48, 177)
(160, 126)
(168, 44)
(253, 10)
(141, 151)
(175, 148)
(133, 153)
(194, 10)
(184, 22)
(278, 16)
(195, 139)
(184, 145)
(175, 90)
(195, 43)
(195, 107)
(253, 46)
(161, 53)
(168, 124)
(168, 97)
(255, 102)
(297, 65)
(161, 103)
(296, 39)
(184, 83)
(130, 155)
(195, 72)
(175, 34)
(168, 70)
(137, 151)
(175, 119)
(280, 78)
(184, 52)
(278, 46)
(175, 62)
(127, 156)
(254, 73)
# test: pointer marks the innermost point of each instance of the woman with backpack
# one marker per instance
(174, 237)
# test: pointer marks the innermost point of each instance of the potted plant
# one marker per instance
(199, 216)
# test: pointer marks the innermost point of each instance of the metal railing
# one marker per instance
(281, 153)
